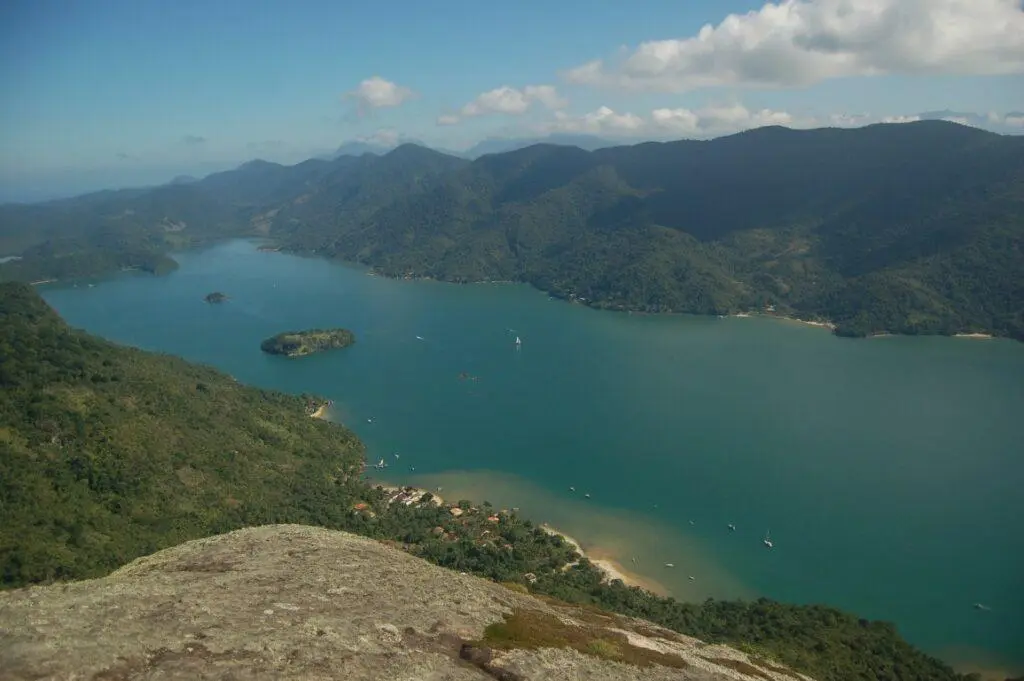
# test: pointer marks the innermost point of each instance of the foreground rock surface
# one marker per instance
(295, 602)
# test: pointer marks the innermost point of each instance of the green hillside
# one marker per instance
(909, 228)
(108, 453)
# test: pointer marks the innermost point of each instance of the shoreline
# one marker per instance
(767, 315)
(321, 411)
(976, 335)
(605, 562)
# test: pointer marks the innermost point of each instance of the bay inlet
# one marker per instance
(888, 470)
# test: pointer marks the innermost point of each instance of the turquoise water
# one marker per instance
(889, 471)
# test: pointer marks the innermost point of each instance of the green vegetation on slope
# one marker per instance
(300, 343)
(910, 228)
(110, 453)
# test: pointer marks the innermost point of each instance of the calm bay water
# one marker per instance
(889, 471)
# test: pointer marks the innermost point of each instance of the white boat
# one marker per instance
(572, 489)
(419, 337)
(732, 528)
(586, 496)
(669, 565)
(767, 541)
(518, 341)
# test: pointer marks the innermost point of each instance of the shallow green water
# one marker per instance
(889, 471)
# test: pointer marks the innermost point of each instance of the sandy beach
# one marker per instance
(821, 325)
(607, 564)
(321, 411)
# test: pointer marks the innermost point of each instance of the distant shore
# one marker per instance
(609, 567)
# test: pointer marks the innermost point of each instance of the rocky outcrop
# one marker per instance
(296, 602)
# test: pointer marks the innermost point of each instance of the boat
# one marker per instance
(419, 337)
(572, 489)
(732, 528)
(980, 606)
(669, 565)
(692, 578)
(587, 495)
(767, 541)
(518, 341)
(396, 455)
(381, 465)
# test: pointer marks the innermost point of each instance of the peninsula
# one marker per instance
(299, 343)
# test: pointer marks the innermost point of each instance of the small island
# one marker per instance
(299, 343)
(215, 297)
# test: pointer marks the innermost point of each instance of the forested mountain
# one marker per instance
(109, 453)
(909, 228)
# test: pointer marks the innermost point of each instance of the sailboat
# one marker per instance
(381, 464)
(518, 341)
(768, 540)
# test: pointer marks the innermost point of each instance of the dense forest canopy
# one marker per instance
(906, 228)
(109, 453)
(299, 343)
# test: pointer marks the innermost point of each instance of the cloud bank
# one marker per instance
(796, 43)
(713, 121)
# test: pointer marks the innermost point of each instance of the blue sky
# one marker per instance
(115, 92)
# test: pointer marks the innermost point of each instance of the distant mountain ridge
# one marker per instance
(499, 145)
(491, 145)
(902, 228)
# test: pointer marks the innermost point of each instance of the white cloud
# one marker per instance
(712, 120)
(602, 121)
(1014, 120)
(717, 120)
(378, 93)
(507, 100)
(546, 95)
(901, 119)
(796, 43)
(665, 122)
